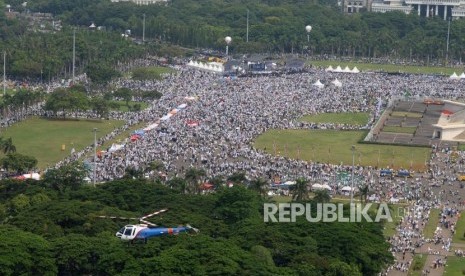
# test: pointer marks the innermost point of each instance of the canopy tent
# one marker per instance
(34, 176)
(337, 83)
(319, 84)
(329, 69)
(115, 147)
(355, 70)
(151, 126)
(321, 187)
(338, 69)
(454, 76)
(346, 189)
(347, 70)
(182, 106)
(140, 132)
(289, 183)
(462, 76)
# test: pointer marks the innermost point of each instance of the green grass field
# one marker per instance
(339, 118)
(455, 266)
(149, 73)
(418, 263)
(432, 224)
(406, 114)
(332, 146)
(124, 108)
(395, 129)
(43, 138)
(392, 68)
(459, 236)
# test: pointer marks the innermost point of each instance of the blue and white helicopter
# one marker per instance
(145, 230)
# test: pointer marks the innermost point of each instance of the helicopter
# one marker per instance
(145, 230)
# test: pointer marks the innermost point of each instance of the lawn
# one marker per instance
(44, 138)
(459, 236)
(124, 108)
(333, 146)
(432, 224)
(406, 114)
(395, 129)
(150, 73)
(393, 68)
(418, 263)
(338, 118)
(455, 266)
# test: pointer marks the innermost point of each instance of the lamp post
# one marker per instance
(95, 155)
(308, 29)
(352, 182)
(228, 40)
(447, 44)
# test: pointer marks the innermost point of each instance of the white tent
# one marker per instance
(329, 69)
(338, 69)
(151, 126)
(321, 187)
(355, 70)
(191, 63)
(289, 183)
(34, 176)
(462, 76)
(347, 70)
(337, 83)
(346, 189)
(454, 76)
(319, 84)
(115, 147)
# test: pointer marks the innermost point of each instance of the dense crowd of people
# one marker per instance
(230, 113)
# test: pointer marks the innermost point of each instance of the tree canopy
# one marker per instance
(57, 230)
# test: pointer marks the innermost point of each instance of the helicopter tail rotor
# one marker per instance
(192, 229)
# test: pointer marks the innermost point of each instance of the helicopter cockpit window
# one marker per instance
(128, 231)
(121, 231)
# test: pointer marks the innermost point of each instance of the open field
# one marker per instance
(459, 236)
(432, 224)
(124, 108)
(406, 114)
(44, 138)
(333, 146)
(409, 130)
(455, 266)
(391, 68)
(338, 118)
(418, 263)
(149, 73)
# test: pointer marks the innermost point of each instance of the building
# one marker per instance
(142, 2)
(451, 123)
(425, 8)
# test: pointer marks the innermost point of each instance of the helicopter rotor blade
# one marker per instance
(148, 223)
(153, 214)
(114, 217)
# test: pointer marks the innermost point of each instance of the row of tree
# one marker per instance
(274, 26)
(76, 98)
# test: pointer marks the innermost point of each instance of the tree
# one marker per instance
(125, 94)
(8, 146)
(100, 106)
(322, 196)
(67, 176)
(237, 178)
(18, 163)
(259, 185)
(364, 189)
(32, 254)
(194, 176)
(300, 190)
